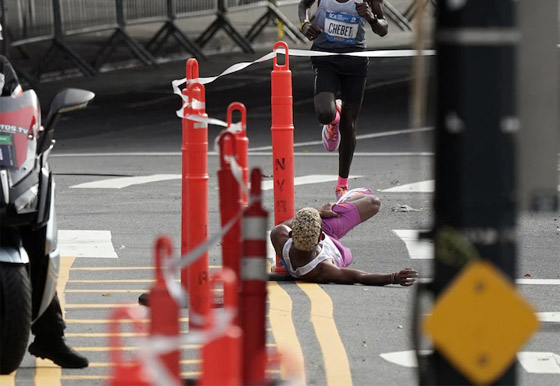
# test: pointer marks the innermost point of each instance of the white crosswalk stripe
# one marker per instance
(84, 243)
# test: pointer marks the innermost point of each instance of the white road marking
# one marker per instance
(417, 187)
(549, 317)
(427, 186)
(123, 182)
(539, 362)
(417, 249)
(424, 249)
(517, 281)
(306, 180)
(86, 244)
(538, 281)
(404, 358)
(358, 137)
(532, 361)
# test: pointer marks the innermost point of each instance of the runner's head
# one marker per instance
(306, 229)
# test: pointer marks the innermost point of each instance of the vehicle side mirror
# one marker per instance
(65, 101)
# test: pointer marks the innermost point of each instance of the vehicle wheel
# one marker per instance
(15, 315)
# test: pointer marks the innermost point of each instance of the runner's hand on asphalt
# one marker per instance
(407, 277)
(364, 11)
(311, 31)
(326, 211)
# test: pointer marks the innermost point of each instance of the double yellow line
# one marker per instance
(337, 367)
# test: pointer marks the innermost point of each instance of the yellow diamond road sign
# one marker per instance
(480, 322)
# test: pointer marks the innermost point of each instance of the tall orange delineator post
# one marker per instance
(191, 73)
(164, 310)
(252, 301)
(221, 359)
(282, 141)
(130, 373)
(242, 143)
(230, 205)
(196, 179)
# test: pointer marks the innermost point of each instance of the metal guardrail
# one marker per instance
(272, 14)
(32, 21)
(27, 21)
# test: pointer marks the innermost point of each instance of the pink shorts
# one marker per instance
(337, 227)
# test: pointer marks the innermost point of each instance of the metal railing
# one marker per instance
(34, 21)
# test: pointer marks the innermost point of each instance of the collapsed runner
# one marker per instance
(310, 249)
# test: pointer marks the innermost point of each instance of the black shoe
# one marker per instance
(59, 352)
(143, 299)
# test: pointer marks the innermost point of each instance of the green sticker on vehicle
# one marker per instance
(5, 139)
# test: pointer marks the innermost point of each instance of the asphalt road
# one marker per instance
(131, 130)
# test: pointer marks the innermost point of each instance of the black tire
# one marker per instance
(15, 315)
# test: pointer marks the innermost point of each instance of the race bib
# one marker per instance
(341, 27)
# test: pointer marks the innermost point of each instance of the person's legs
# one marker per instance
(326, 86)
(49, 327)
(325, 107)
(351, 213)
(347, 146)
(367, 205)
(352, 87)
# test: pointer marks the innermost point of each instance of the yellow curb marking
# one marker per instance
(337, 367)
(8, 379)
(106, 321)
(125, 268)
(284, 331)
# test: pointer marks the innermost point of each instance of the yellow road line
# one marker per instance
(107, 377)
(105, 321)
(8, 379)
(114, 281)
(108, 305)
(119, 281)
(85, 291)
(63, 276)
(46, 374)
(110, 334)
(283, 329)
(337, 367)
(124, 268)
(132, 348)
(85, 377)
(111, 364)
(124, 348)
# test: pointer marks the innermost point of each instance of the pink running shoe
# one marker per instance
(331, 134)
(353, 193)
(340, 191)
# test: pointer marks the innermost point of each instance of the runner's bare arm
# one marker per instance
(372, 11)
(303, 10)
(332, 274)
(310, 30)
(279, 235)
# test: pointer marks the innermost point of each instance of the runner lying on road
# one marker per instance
(310, 248)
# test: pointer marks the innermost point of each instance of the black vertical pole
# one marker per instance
(475, 148)
(4, 41)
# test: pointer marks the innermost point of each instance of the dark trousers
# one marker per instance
(50, 323)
